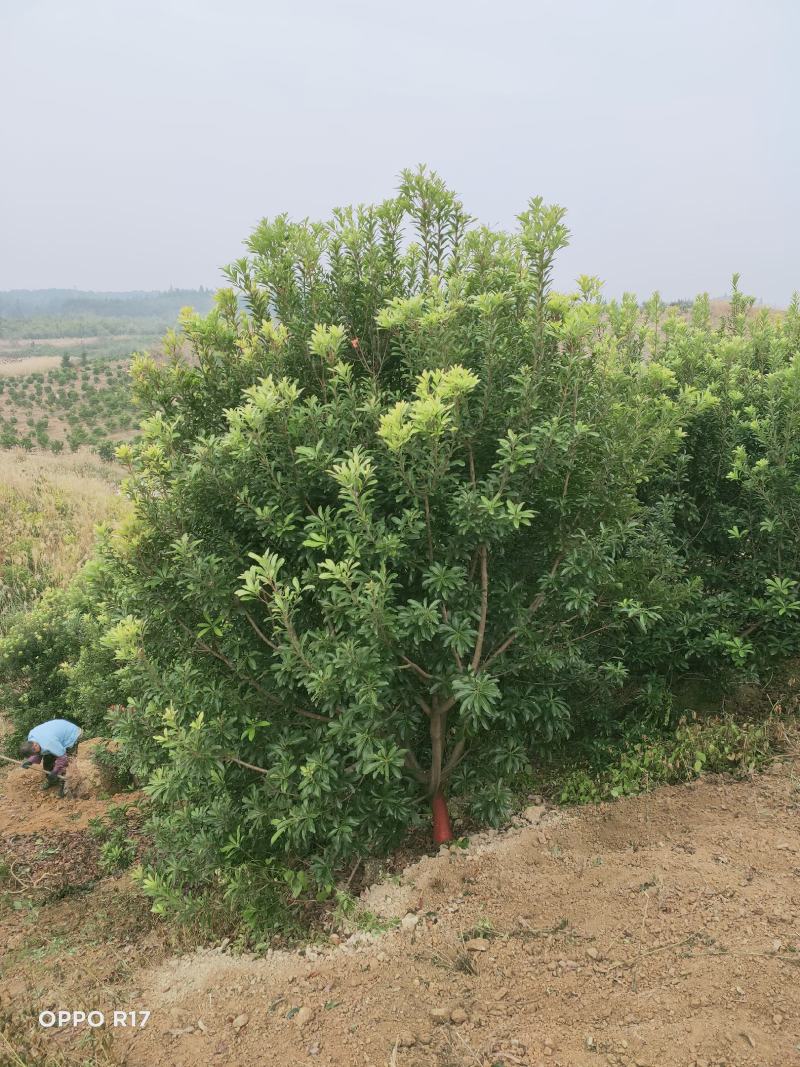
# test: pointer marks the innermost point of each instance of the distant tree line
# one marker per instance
(77, 303)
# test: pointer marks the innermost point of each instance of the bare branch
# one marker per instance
(262, 636)
(414, 769)
(241, 763)
(415, 667)
(427, 504)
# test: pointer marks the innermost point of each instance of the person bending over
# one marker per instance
(51, 744)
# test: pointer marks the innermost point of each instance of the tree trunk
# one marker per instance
(442, 830)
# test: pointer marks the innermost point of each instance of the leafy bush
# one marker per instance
(115, 767)
(394, 534)
(406, 520)
(53, 664)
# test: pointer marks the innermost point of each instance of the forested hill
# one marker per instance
(74, 313)
(30, 303)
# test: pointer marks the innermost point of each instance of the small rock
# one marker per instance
(458, 1016)
(304, 1016)
(313, 1050)
(533, 814)
(777, 1018)
(405, 1039)
(409, 921)
(440, 1015)
(240, 1021)
(476, 944)
(592, 953)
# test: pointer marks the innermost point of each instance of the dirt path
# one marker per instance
(655, 931)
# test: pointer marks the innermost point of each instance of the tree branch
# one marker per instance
(414, 769)
(250, 681)
(258, 630)
(476, 655)
(456, 756)
(415, 667)
(532, 608)
(428, 526)
(241, 763)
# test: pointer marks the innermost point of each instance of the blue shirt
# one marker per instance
(55, 736)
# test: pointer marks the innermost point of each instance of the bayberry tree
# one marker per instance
(386, 538)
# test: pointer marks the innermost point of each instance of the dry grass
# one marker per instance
(15, 367)
(49, 508)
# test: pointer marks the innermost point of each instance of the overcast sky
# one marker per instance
(143, 139)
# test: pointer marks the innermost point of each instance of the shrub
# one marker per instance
(53, 664)
(406, 520)
(388, 536)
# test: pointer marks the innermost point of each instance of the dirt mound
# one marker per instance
(655, 931)
(25, 808)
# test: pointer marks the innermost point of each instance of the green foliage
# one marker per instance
(53, 665)
(114, 764)
(117, 847)
(405, 520)
(713, 746)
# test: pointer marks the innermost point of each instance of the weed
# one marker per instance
(694, 748)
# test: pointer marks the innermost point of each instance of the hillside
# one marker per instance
(49, 508)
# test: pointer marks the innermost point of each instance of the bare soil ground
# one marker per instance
(25, 809)
(660, 930)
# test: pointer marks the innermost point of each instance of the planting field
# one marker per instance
(49, 508)
(53, 404)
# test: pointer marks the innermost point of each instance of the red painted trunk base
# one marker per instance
(442, 830)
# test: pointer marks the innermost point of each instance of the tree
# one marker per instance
(387, 535)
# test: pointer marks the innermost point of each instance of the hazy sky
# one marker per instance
(143, 139)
